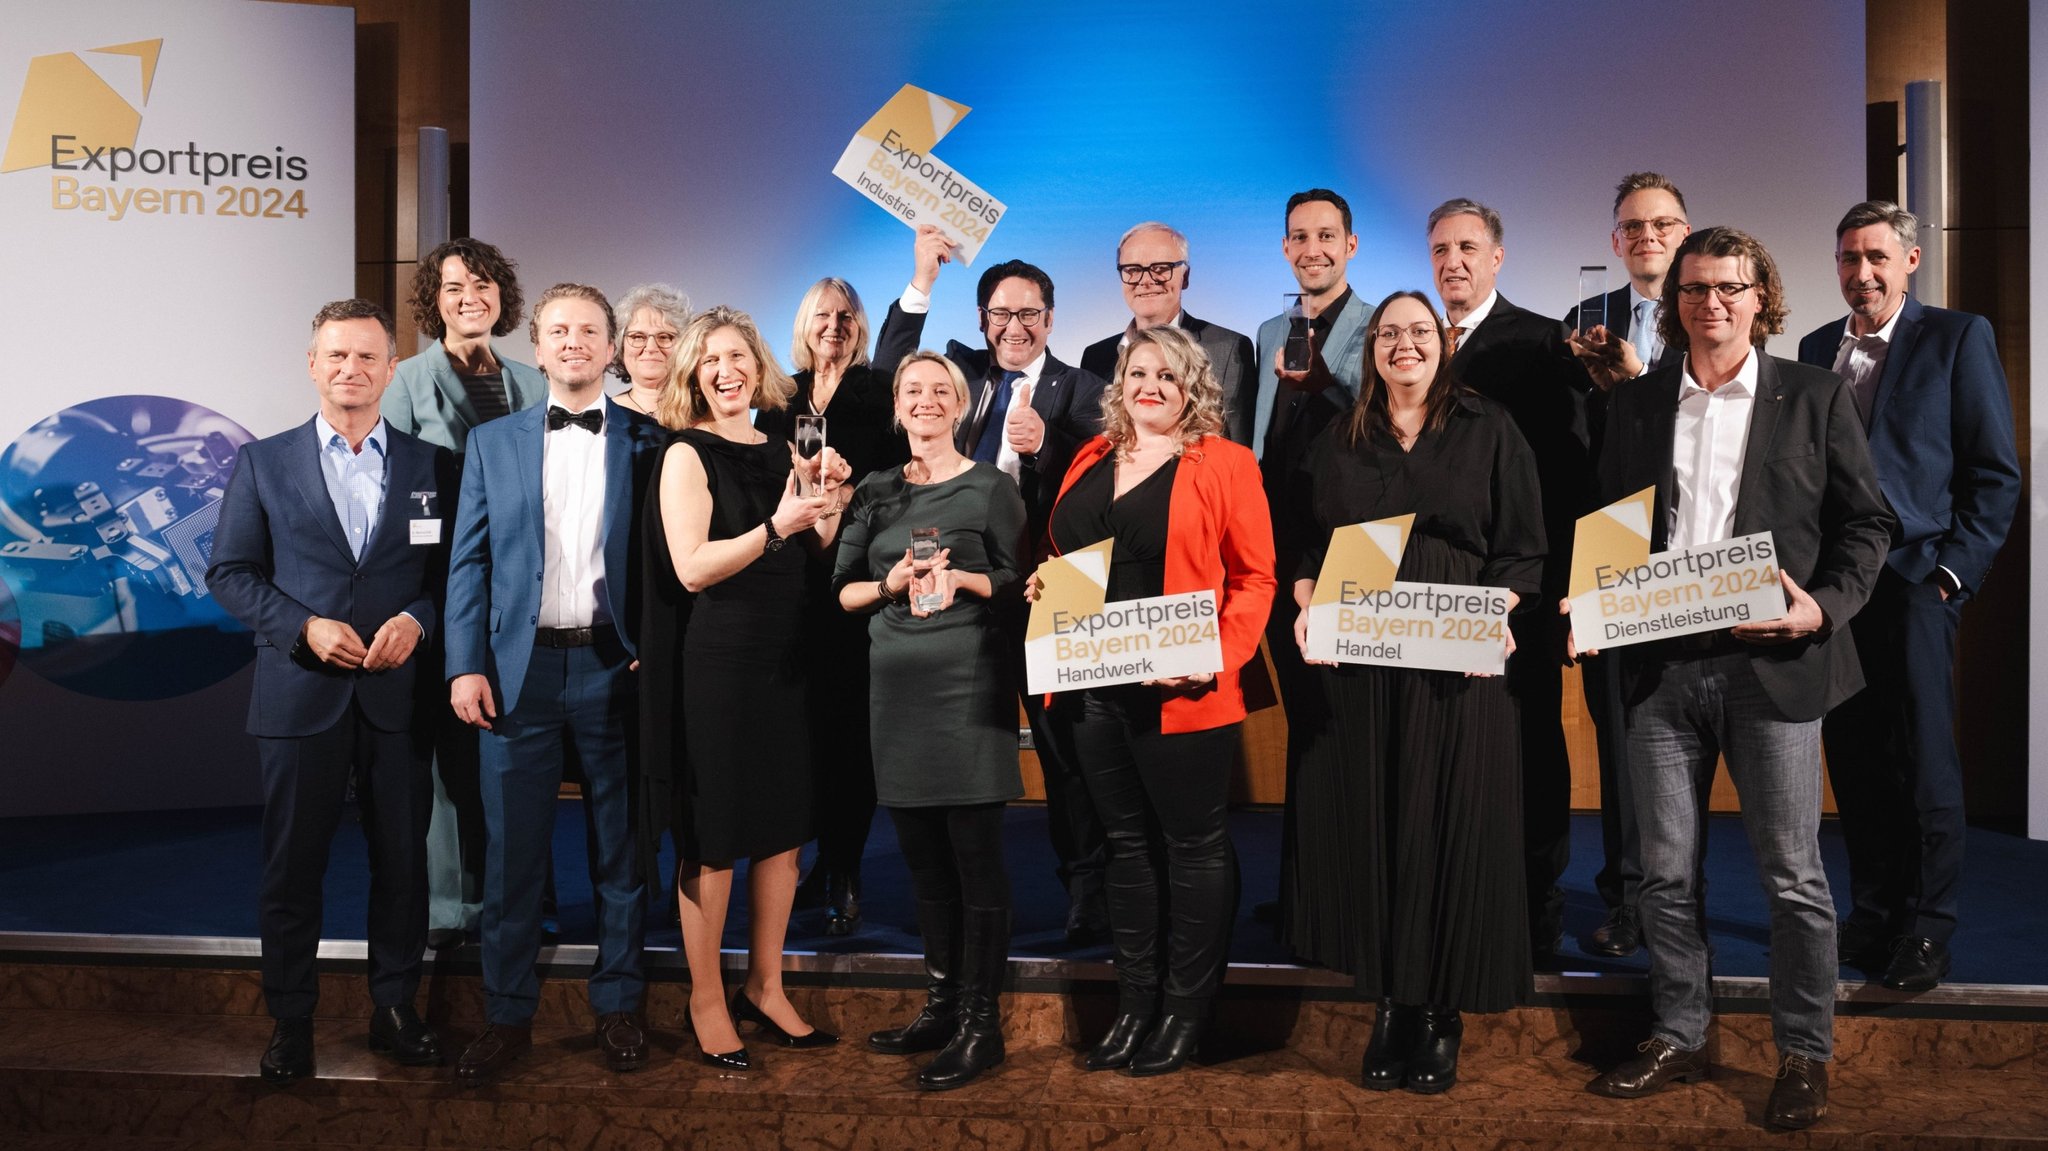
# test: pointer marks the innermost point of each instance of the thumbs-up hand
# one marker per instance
(1023, 427)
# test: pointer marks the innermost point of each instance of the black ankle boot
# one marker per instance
(842, 903)
(1434, 1065)
(1170, 1045)
(939, 923)
(977, 1043)
(1121, 1043)
(1393, 1041)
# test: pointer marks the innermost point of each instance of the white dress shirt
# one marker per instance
(572, 515)
(1474, 318)
(355, 481)
(1707, 447)
(1860, 361)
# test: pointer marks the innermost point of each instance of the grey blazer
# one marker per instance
(426, 397)
(1230, 354)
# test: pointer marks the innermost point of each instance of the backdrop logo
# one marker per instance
(65, 97)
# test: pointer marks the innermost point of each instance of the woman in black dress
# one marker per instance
(945, 731)
(835, 380)
(1408, 821)
(728, 502)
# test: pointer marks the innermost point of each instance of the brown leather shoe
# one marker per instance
(492, 1052)
(1801, 1095)
(1660, 1063)
(623, 1041)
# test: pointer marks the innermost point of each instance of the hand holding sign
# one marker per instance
(1358, 612)
(890, 162)
(1074, 639)
(1621, 594)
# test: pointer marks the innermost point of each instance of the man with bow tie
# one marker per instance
(541, 615)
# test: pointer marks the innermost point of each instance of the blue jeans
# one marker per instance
(1701, 708)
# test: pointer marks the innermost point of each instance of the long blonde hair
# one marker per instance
(1190, 366)
(682, 403)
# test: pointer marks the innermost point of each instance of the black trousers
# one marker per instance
(1621, 859)
(843, 765)
(1070, 817)
(1536, 679)
(305, 787)
(1172, 870)
(1892, 758)
(955, 854)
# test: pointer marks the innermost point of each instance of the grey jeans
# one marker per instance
(1701, 708)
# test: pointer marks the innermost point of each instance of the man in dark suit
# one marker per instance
(1520, 359)
(1026, 413)
(1931, 393)
(1152, 262)
(541, 615)
(330, 548)
(1649, 224)
(1737, 442)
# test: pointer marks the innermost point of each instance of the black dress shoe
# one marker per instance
(1117, 1047)
(1088, 920)
(1659, 1064)
(1168, 1048)
(1433, 1067)
(1800, 1097)
(290, 1054)
(400, 1033)
(842, 903)
(623, 1041)
(745, 1011)
(1393, 1041)
(446, 938)
(1622, 934)
(727, 1060)
(1863, 944)
(1917, 964)
(486, 1058)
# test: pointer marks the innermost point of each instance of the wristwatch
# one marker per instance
(775, 540)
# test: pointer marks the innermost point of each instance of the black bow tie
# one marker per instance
(590, 419)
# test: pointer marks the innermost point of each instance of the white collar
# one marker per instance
(1478, 315)
(1744, 383)
(1180, 320)
(328, 432)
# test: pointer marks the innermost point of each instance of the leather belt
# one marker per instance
(571, 636)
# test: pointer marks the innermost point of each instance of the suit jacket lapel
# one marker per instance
(405, 472)
(618, 504)
(1763, 430)
(1905, 334)
(450, 384)
(533, 448)
(303, 458)
(1660, 431)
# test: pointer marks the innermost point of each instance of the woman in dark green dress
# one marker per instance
(943, 705)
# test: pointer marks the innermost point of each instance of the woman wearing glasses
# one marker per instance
(1408, 813)
(1186, 512)
(835, 380)
(946, 759)
(654, 316)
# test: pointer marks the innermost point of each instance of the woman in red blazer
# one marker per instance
(1187, 512)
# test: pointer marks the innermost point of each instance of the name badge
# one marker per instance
(426, 531)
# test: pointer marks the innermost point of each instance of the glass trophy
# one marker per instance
(810, 444)
(924, 551)
(1298, 353)
(1592, 297)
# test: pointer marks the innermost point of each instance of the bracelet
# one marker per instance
(882, 589)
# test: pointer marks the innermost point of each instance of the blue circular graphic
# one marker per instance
(107, 511)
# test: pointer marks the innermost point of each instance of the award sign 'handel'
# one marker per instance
(1075, 640)
(1621, 594)
(890, 161)
(1359, 614)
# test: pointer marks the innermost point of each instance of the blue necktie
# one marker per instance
(1648, 346)
(991, 442)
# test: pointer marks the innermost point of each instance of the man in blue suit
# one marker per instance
(1026, 413)
(330, 548)
(1932, 396)
(541, 616)
(463, 293)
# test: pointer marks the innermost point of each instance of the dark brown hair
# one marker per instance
(1711, 244)
(1370, 414)
(356, 309)
(1637, 181)
(484, 262)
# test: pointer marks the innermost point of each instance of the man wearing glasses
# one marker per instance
(1152, 262)
(1520, 359)
(1737, 442)
(1649, 224)
(1026, 413)
(1933, 398)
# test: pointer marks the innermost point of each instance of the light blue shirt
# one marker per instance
(355, 481)
(1648, 340)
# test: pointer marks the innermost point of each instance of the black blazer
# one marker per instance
(1941, 436)
(1067, 398)
(279, 558)
(1230, 354)
(1806, 479)
(1519, 360)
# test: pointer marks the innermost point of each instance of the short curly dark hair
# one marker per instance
(485, 262)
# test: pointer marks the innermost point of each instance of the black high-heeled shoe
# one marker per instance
(735, 1060)
(744, 1010)
(1394, 1028)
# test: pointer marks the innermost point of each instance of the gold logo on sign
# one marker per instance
(63, 96)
